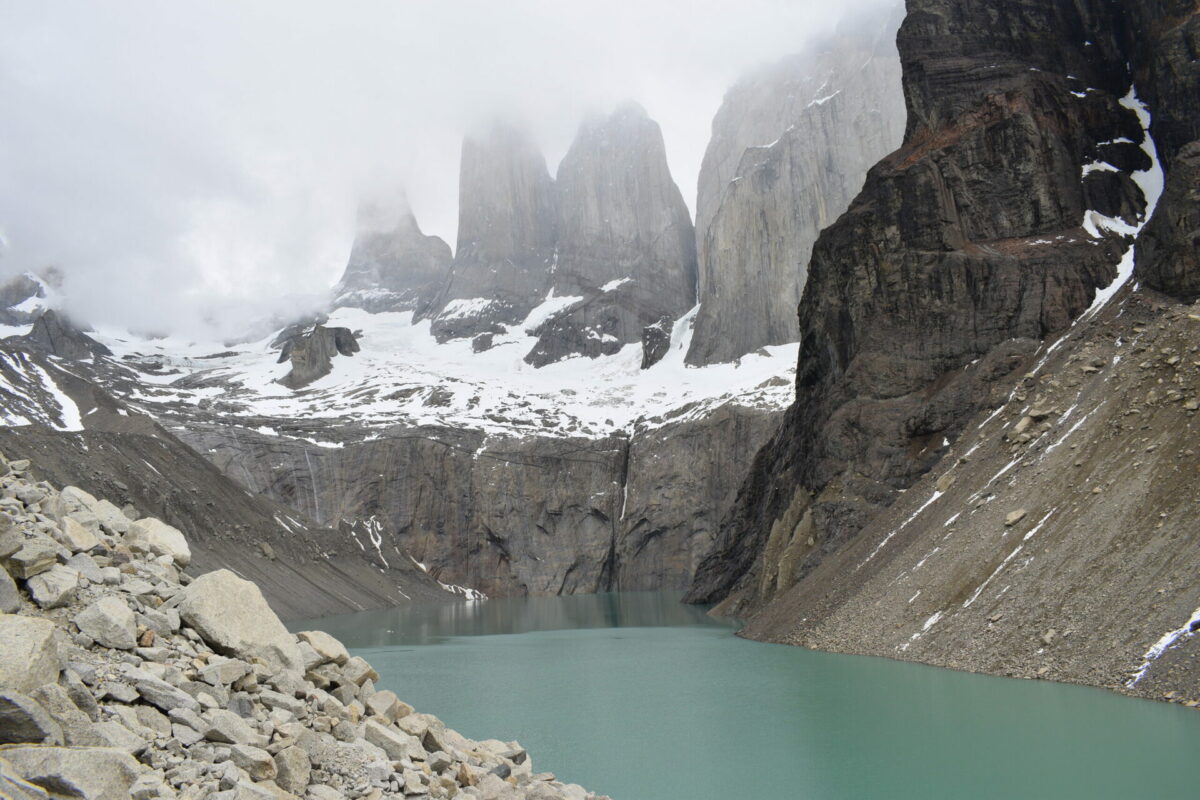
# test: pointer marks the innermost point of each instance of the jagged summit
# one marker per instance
(506, 235)
(790, 147)
(393, 266)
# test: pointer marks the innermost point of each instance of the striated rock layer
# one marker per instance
(960, 256)
(963, 250)
(789, 150)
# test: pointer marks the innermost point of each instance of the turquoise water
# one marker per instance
(641, 698)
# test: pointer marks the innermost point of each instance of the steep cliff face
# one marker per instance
(625, 246)
(77, 434)
(790, 148)
(1056, 539)
(506, 235)
(964, 249)
(392, 266)
(1165, 41)
(515, 514)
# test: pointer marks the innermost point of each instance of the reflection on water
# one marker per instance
(434, 623)
(641, 698)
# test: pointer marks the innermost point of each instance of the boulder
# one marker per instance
(75, 537)
(395, 744)
(232, 616)
(14, 787)
(152, 535)
(86, 773)
(29, 656)
(111, 517)
(329, 648)
(36, 555)
(75, 498)
(53, 588)
(10, 596)
(385, 705)
(23, 720)
(75, 725)
(292, 769)
(110, 622)
(228, 727)
(257, 762)
(165, 696)
(358, 671)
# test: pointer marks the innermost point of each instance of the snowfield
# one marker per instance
(403, 376)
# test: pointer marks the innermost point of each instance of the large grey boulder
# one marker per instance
(110, 622)
(22, 719)
(14, 787)
(29, 656)
(232, 616)
(34, 556)
(76, 537)
(53, 588)
(293, 769)
(82, 773)
(329, 648)
(154, 536)
(111, 517)
(10, 596)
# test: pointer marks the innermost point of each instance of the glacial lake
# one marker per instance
(638, 697)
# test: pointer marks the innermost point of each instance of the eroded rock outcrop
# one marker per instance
(311, 353)
(54, 335)
(393, 266)
(790, 147)
(962, 252)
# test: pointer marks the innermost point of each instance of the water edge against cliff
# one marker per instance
(642, 698)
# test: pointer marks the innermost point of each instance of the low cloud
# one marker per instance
(193, 165)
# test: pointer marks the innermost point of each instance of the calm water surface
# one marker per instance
(641, 698)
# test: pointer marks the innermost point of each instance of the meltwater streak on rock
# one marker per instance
(151, 684)
(512, 514)
(962, 251)
(789, 150)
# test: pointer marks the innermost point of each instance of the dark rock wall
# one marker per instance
(536, 515)
(306, 570)
(1164, 37)
(921, 295)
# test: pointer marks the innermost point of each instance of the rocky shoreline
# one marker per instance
(122, 676)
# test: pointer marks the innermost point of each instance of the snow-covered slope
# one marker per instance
(403, 376)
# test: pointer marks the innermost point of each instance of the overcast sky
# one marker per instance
(176, 157)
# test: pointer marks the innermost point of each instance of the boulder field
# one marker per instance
(121, 676)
